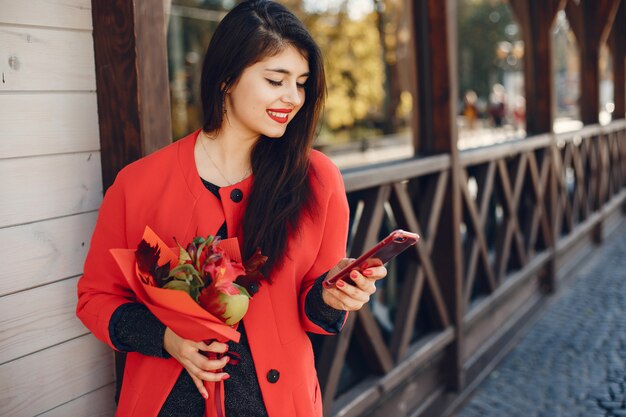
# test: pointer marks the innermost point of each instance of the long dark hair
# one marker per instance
(281, 192)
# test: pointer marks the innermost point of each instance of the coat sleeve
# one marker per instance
(102, 288)
(333, 221)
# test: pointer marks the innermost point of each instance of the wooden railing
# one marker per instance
(525, 209)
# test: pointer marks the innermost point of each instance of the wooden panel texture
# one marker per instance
(44, 187)
(51, 187)
(37, 319)
(41, 381)
(46, 59)
(68, 14)
(43, 252)
(48, 123)
(98, 403)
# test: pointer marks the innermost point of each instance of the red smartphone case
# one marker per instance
(385, 250)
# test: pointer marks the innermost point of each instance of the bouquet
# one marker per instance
(198, 291)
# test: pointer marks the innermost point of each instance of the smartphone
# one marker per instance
(384, 251)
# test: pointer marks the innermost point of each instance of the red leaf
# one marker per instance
(251, 280)
(255, 262)
(147, 257)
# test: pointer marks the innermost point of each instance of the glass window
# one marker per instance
(566, 67)
(491, 77)
(191, 25)
(607, 100)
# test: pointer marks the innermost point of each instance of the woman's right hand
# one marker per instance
(199, 367)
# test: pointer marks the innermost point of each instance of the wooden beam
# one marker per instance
(591, 21)
(415, 28)
(372, 343)
(131, 80)
(617, 42)
(437, 72)
(436, 36)
(332, 358)
(535, 18)
(548, 280)
(133, 88)
(334, 349)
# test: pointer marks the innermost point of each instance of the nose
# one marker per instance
(294, 95)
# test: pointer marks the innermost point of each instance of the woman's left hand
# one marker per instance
(344, 296)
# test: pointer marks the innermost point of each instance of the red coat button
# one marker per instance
(236, 195)
(273, 375)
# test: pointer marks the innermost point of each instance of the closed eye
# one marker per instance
(280, 83)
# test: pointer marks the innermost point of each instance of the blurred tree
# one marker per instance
(394, 37)
(354, 68)
(481, 25)
(366, 60)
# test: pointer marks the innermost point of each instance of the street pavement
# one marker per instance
(572, 362)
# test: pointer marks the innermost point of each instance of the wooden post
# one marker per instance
(132, 81)
(591, 21)
(617, 43)
(133, 87)
(548, 282)
(535, 18)
(436, 42)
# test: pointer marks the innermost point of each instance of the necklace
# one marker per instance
(218, 168)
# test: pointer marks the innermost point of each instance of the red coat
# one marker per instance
(164, 191)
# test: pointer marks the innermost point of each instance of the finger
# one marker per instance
(193, 370)
(208, 376)
(345, 262)
(215, 347)
(341, 301)
(201, 346)
(366, 285)
(213, 376)
(200, 385)
(342, 264)
(375, 273)
(353, 292)
(370, 262)
(205, 374)
(187, 352)
(205, 364)
(329, 295)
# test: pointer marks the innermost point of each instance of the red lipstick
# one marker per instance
(279, 115)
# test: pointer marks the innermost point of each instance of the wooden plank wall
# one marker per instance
(51, 188)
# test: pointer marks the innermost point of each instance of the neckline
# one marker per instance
(210, 184)
(203, 137)
(189, 167)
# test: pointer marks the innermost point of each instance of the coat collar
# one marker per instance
(232, 211)
(192, 177)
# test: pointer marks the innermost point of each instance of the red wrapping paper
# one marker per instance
(176, 309)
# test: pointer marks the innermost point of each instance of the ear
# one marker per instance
(224, 86)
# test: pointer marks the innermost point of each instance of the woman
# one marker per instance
(249, 173)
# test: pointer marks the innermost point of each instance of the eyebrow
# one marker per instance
(286, 72)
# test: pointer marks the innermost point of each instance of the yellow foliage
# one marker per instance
(354, 67)
(406, 105)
